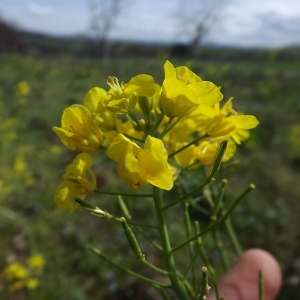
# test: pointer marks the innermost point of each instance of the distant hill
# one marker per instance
(13, 39)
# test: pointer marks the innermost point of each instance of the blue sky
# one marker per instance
(255, 23)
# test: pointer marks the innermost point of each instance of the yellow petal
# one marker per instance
(93, 97)
(155, 170)
(157, 146)
(244, 121)
(169, 70)
(143, 85)
(118, 146)
(176, 99)
(187, 76)
(206, 93)
(63, 194)
(187, 156)
(128, 166)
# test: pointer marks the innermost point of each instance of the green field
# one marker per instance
(32, 161)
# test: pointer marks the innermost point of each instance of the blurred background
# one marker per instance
(52, 52)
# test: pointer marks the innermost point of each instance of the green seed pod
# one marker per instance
(215, 165)
(145, 103)
(132, 240)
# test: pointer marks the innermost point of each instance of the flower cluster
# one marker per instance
(24, 275)
(149, 130)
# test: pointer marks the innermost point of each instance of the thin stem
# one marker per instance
(168, 256)
(166, 128)
(105, 258)
(122, 194)
(203, 256)
(170, 127)
(204, 289)
(142, 224)
(157, 123)
(149, 239)
(222, 219)
(132, 137)
(187, 145)
(154, 268)
(132, 116)
(187, 167)
(261, 291)
(191, 265)
(187, 223)
(206, 182)
(220, 246)
(233, 237)
(163, 293)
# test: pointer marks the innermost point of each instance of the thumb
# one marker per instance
(241, 283)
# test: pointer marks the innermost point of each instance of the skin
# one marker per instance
(241, 282)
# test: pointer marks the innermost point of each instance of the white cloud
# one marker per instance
(40, 10)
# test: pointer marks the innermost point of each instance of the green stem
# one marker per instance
(158, 247)
(204, 289)
(220, 246)
(163, 293)
(170, 127)
(168, 256)
(105, 258)
(206, 182)
(187, 145)
(187, 223)
(233, 237)
(142, 224)
(154, 268)
(122, 194)
(191, 265)
(166, 128)
(132, 137)
(187, 167)
(157, 123)
(132, 116)
(222, 219)
(203, 256)
(261, 286)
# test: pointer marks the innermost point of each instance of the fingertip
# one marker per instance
(262, 260)
(241, 283)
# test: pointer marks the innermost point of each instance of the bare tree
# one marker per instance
(103, 17)
(196, 18)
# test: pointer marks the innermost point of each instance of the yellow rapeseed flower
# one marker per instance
(140, 167)
(76, 183)
(122, 98)
(95, 101)
(22, 89)
(37, 262)
(183, 91)
(79, 130)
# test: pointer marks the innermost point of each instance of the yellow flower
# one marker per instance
(78, 130)
(20, 164)
(183, 91)
(15, 271)
(36, 262)
(128, 129)
(122, 98)
(221, 122)
(207, 148)
(179, 134)
(187, 156)
(32, 283)
(76, 183)
(95, 101)
(22, 89)
(140, 167)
